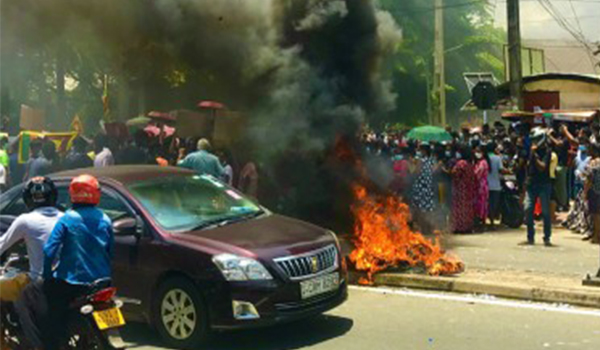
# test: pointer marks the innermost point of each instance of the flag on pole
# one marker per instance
(105, 100)
(77, 125)
(62, 140)
(25, 139)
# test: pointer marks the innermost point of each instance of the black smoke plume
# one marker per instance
(305, 72)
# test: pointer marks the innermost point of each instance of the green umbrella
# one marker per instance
(138, 122)
(429, 133)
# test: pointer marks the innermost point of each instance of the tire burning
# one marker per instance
(383, 239)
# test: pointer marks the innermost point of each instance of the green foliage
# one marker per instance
(125, 41)
(472, 44)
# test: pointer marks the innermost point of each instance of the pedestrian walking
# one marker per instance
(592, 192)
(463, 192)
(423, 191)
(538, 185)
(482, 170)
(493, 177)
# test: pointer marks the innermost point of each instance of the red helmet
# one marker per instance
(85, 189)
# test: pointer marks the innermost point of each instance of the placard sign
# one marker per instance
(32, 119)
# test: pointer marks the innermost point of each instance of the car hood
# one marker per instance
(269, 236)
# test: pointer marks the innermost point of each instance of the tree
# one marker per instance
(472, 44)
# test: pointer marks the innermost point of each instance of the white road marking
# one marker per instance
(483, 299)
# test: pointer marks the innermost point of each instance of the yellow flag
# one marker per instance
(77, 125)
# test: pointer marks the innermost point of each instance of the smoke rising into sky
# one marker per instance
(303, 72)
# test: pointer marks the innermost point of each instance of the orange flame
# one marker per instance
(384, 239)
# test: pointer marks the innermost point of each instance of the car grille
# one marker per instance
(309, 264)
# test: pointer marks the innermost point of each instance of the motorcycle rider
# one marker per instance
(40, 196)
(34, 228)
(82, 245)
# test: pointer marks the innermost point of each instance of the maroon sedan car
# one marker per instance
(194, 255)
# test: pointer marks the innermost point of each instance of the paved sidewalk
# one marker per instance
(500, 251)
(497, 265)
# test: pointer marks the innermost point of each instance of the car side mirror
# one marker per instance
(125, 227)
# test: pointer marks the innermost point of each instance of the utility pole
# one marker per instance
(61, 99)
(439, 74)
(514, 52)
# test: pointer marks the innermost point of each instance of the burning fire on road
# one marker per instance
(384, 239)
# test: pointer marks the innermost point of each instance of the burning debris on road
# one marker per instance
(384, 239)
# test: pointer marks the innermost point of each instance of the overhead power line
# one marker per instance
(579, 18)
(566, 25)
(419, 9)
(576, 17)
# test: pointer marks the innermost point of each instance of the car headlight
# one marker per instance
(237, 268)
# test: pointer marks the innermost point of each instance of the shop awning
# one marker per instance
(581, 116)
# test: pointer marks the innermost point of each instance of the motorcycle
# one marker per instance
(511, 209)
(92, 324)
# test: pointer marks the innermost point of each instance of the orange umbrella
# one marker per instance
(211, 105)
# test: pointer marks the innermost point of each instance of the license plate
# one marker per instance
(319, 285)
(109, 318)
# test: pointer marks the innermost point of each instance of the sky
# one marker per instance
(537, 23)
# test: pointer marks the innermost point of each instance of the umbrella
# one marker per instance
(211, 105)
(161, 116)
(154, 130)
(139, 121)
(429, 133)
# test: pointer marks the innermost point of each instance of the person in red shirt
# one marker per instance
(402, 171)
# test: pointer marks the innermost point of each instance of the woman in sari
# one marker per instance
(463, 193)
(482, 194)
(423, 192)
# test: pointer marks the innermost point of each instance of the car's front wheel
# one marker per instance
(180, 314)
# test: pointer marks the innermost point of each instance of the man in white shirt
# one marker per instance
(34, 228)
(104, 156)
(2, 178)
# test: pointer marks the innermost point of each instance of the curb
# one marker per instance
(586, 296)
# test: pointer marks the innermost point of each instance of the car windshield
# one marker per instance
(186, 203)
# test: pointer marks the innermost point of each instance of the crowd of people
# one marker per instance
(69, 252)
(456, 185)
(193, 153)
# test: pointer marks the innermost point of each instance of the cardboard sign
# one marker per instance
(194, 124)
(222, 127)
(32, 119)
(229, 127)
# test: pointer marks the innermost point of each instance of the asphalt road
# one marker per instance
(375, 319)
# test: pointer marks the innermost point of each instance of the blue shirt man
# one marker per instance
(82, 240)
(77, 254)
(203, 162)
